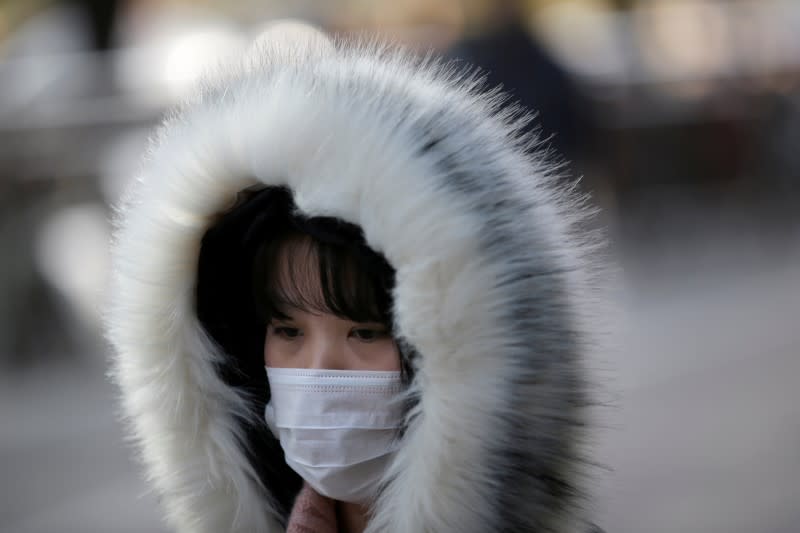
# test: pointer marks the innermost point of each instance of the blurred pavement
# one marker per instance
(705, 436)
(63, 461)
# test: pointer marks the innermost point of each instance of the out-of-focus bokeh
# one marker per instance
(682, 116)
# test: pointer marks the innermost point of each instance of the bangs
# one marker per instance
(303, 272)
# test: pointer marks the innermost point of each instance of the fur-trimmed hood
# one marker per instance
(492, 285)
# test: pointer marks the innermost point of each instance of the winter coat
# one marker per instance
(493, 280)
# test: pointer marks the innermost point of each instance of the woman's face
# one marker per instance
(324, 341)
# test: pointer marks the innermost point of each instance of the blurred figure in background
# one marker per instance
(512, 57)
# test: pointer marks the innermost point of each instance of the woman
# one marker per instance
(331, 358)
(371, 230)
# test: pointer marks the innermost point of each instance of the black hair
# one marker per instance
(239, 291)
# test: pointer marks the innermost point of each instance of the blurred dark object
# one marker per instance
(101, 17)
(777, 142)
(511, 57)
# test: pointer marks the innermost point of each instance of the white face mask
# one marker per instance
(338, 428)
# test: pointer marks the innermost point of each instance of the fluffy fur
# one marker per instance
(492, 286)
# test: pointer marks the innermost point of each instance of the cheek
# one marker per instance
(265, 352)
(386, 356)
(272, 353)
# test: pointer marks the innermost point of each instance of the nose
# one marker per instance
(326, 353)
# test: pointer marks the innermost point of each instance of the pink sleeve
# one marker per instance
(312, 513)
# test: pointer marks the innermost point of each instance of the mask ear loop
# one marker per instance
(269, 418)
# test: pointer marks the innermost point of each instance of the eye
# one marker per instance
(368, 334)
(286, 332)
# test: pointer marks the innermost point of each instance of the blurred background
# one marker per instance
(682, 116)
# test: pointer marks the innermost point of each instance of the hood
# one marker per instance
(493, 277)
